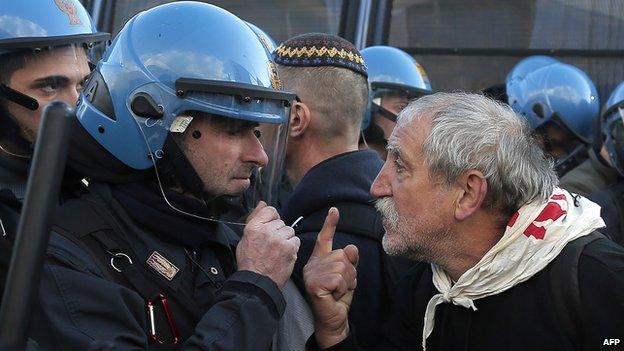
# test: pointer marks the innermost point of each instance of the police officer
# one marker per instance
(45, 47)
(597, 172)
(611, 197)
(560, 102)
(394, 78)
(185, 100)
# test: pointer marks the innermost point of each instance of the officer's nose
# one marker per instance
(254, 152)
(381, 186)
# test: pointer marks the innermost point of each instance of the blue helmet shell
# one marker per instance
(389, 67)
(560, 90)
(528, 65)
(610, 117)
(264, 37)
(169, 54)
(28, 24)
(386, 64)
(615, 99)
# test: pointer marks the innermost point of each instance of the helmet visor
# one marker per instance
(390, 102)
(36, 78)
(225, 151)
(30, 80)
(615, 139)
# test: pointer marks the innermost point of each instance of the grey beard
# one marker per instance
(385, 206)
(427, 248)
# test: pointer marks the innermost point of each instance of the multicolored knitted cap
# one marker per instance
(320, 49)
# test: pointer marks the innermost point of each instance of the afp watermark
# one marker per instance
(611, 342)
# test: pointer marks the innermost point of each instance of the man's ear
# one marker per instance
(299, 119)
(473, 189)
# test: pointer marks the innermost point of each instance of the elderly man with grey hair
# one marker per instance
(510, 261)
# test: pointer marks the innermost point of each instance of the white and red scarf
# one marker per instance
(535, 235)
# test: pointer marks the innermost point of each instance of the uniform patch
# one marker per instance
(276, 82)
(162, 265)
(69, 9)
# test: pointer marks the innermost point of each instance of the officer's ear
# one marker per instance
(299, 119)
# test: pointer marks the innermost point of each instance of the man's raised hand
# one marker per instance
(330, 279)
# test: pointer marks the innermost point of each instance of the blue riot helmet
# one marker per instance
(178, 67)
(44, 56)
(395, 78)
(264, 37)
(613, 129)
(528, 65)
(32, 26)
(518, 72)
(557, 96)
(558, 92)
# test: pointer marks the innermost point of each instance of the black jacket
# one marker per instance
(521, 318)
(611, 201)
(13, 180)
(84, 300)
(344, 181)
(590, 176)
(13, 177)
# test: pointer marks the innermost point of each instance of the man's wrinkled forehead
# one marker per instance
(409, 134)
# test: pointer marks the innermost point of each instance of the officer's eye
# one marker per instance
(257, 133)
(50, 88)
(400, 106)
(50, 85)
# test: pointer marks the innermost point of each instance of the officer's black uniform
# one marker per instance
(611, 201)
(344, 181)
(183, 268)
(13, 177)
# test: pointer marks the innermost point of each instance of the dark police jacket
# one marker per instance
(129, 271)
(590, 176)
(344, 181)
(524, 317)
(611, 201)
(13, 176)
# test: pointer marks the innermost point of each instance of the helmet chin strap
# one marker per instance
(178, 170)
(14, 135)
(385, 113)
(374, 133)
(18, 98)
(572, 159)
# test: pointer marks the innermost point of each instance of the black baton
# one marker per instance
(33, 231)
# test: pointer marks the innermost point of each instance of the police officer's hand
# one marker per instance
(268, 246)
(330, 279)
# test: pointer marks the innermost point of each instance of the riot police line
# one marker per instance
(222, 192)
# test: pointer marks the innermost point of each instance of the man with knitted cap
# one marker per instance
(327, 170)
(509, 261)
